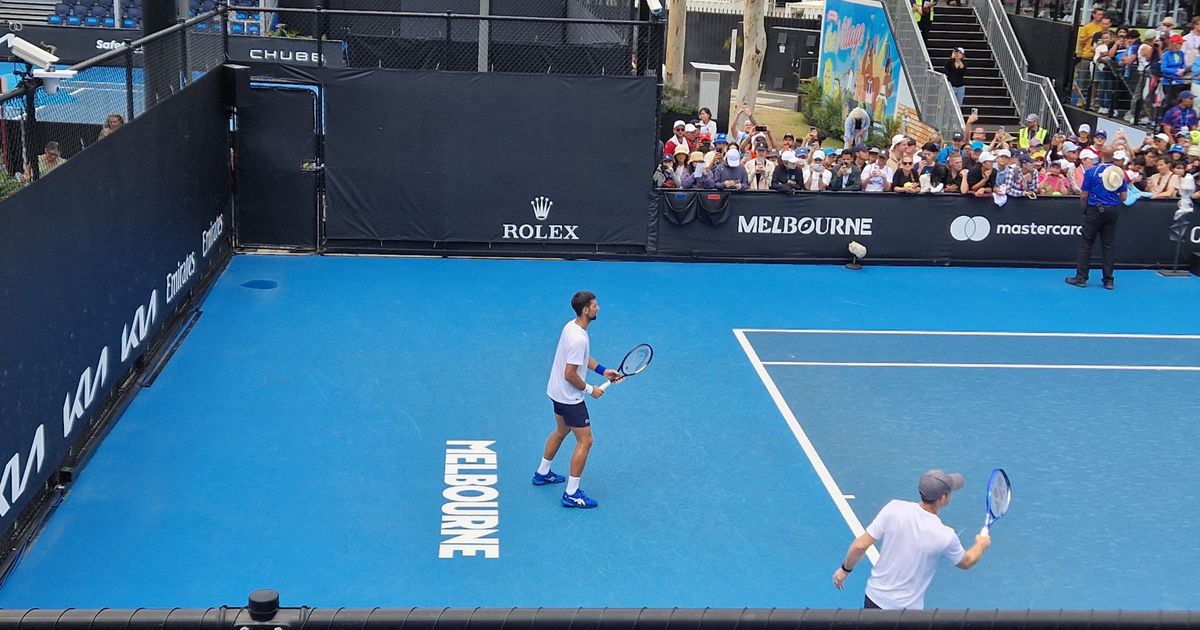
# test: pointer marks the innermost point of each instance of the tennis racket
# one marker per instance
(999, 496)
(635, 362)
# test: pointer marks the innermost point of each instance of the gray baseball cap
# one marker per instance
(936, 483)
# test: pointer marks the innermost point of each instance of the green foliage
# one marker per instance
(883, 130)
(675, 100)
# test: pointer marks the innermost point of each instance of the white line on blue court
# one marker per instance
(964, 333)
(1011, 366)
(835, 493)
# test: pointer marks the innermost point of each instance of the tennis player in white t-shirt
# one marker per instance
(914, 540)
(566, 389)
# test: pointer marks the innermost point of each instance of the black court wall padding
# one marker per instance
(276, 198)
(903, 228)
(494, 158)
(94, 260)
(593, 619)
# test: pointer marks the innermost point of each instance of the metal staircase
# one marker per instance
(26, 11)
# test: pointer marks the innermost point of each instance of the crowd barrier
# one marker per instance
(99, 264)
(264, 613)
(927, 229)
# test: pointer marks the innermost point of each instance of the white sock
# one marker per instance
(572, 485)
(544, 467)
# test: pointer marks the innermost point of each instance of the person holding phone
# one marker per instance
(956, 73)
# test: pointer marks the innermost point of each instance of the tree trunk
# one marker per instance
(753, 49)
(673, 76)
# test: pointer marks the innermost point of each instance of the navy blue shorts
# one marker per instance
(575, 415)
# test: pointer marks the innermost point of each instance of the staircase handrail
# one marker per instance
(1032, 93)
(931, 90)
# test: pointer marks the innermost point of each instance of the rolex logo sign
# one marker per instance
(541, 207)
(539, 231)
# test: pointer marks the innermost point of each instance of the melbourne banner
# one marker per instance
(859, 60)
(95, 259)
(904, 228)
(496, 158)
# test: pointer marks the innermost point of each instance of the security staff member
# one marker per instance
(1032, 130)
(1102, 195)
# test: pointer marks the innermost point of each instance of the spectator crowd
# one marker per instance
(1029, 164)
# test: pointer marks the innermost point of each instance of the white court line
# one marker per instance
(1011, 366)
(963, 333)
(835, 493)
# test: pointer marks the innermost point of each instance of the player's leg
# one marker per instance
(544, 475)
(576, 417)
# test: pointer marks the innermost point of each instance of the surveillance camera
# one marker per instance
(32, 53)
(656, 8)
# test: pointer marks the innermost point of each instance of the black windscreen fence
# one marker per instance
(487, 158)
(94, 266)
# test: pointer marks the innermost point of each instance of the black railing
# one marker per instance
(47, 121)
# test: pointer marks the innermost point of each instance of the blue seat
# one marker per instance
(73, 20)
(55, 20)
(62, 10)
(79, 11)
(128, 23)
(92, 21)
(203, 26)
(239, 15)
(253, 29)
(110, 22)
(134, 13)
(236, 28)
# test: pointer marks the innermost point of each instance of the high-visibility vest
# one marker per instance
(1023, 137)
(917, 4)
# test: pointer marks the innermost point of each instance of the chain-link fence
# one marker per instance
(48, 121)
(587, 45)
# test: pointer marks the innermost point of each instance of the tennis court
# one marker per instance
(298, 438)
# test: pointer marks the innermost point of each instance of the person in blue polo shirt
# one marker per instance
(1102, 195)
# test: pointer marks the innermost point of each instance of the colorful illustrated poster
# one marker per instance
(859, 59)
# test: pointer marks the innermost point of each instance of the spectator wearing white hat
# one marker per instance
(731, 175)
(789, 176)
(1087, 159)
(956, 74)
(677, 140)
(981, 180)
(877, 176)
(816, 176)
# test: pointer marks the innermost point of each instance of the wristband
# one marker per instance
(845, 569)
(587, 389)
(600, 369)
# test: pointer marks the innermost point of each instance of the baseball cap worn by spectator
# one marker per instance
(936, 484)
(789, 157)
(721, 139)
(733, 159)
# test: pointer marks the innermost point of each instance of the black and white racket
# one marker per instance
(635, 362)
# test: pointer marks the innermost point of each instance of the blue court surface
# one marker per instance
(298, 439)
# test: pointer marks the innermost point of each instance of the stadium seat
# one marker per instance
(79, 11)
(240, 15)
(253, 29)
(207, 5)
(236, 28)
(62, 10)
(55, 20)
(128, 23)
(91, 21)
(73, 20)
(202, 27)
(110, 22)
(134, 13)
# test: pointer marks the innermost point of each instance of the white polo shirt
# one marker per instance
(913, 541)
(572, 348)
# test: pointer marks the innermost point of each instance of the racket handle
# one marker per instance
(984, 531)
(605, 385)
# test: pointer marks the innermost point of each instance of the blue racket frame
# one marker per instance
(992, 517)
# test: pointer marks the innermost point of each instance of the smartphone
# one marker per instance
(760, 127)
(974, 111)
